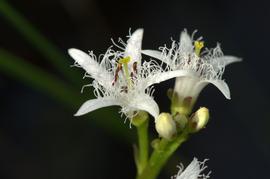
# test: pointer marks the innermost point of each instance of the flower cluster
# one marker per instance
(121, 78)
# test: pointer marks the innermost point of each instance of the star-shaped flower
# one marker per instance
(196, 69)
(120, 78)
(193, 171)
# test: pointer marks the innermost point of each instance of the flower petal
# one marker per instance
(193, 171)
(158, 55)
(153, 53)
(146, 103)
(228, 59)
(163, 76)
(94, 104)
(91, 66)
(185, 43)
(220, 84)
(134, 45)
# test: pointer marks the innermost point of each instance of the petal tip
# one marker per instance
(139, 31)
(137, 34)
(239, 59)
(72, 51)
(78, 55)
(77, 114)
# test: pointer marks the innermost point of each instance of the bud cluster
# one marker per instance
(169, 126)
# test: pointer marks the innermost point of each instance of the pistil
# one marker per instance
(124, 62)
(198, 46)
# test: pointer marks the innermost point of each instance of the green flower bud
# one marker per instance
(165, 126)
(181, 121)
(199, 120)
(155, 143)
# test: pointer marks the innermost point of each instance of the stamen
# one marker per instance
(118, 69)
(132, 77)
(134, 66)
(198, 46)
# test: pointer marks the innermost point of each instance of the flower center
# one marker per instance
(129, 76)
(198, 46)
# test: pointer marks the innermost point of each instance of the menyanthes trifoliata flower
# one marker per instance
(193, 171)
(120, 78)
(196, 69)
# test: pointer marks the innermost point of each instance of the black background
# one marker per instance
(39, 138)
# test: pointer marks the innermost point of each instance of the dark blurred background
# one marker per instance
(40, 138)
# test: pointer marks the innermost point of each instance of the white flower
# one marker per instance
(193, 171)
(120, 78)
(197, 68)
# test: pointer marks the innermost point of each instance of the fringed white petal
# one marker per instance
(163, 76)
(153, 53)
(91, 66)
(220, 84)
(94, 104)
(186, 45)
(228, 59)
(146, 103)
(134, 45)
(158, 55)
(193, 170)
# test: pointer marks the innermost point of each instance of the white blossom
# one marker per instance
(193, 170)
(120, 78)
(196, 68)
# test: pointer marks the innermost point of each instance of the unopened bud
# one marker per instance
(181, 121)
(199, 120)
(165, 126)
(155, 143)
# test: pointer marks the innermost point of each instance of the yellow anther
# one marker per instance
(198, 46)
(125, 60)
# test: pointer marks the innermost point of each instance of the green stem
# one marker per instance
(143, 146)
(161, 155)
(37, 40)
(34, 76)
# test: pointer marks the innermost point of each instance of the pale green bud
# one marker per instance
(199, 120)
(155, 143)
(181, 121)
(165, 126)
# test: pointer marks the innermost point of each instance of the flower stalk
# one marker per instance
(141, 121)
(143, 146)
(161, 154)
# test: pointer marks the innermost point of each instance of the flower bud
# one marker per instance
(181, 121)
(155, 143)
(199, 120)
(165, 126)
